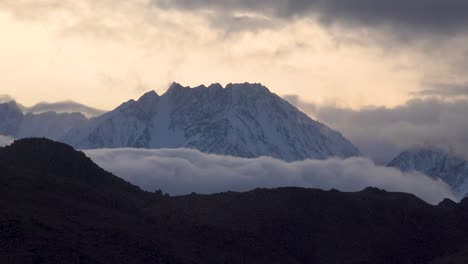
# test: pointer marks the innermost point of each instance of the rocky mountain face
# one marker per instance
(438, 164)
(244, 120)
(57, 206)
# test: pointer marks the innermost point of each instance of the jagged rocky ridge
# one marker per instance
(436, 163)
(244, 120)
(57, 206)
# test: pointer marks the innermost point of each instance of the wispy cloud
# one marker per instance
(444, 90)
(65, 107)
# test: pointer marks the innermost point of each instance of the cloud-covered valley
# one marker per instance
(182, 171)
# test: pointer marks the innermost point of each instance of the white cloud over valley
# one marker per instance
(5, 140)
(182, 171)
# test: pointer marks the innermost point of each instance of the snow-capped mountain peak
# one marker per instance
(244, 120)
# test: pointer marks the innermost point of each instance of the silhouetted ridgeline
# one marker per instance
(57, 206)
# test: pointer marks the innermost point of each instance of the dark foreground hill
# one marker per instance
(57, 206)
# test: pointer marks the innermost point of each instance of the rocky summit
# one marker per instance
(243, 120)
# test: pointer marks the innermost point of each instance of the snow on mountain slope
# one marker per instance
(438, 164)
(244, 120)
(49, 124)
(15, 124)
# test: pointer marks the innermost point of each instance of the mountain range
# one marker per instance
(243, 120)
(16, 124)
(437, 163)
(57, 206)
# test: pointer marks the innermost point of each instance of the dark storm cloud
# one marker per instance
(427, 15)
(382, 132)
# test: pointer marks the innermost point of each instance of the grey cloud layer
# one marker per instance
(182, 171)
(382, 132)
(432, 15)
(447, 90)
(5, 140)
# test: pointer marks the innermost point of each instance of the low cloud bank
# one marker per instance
(382, 133)
(182, 171)
(5, 140)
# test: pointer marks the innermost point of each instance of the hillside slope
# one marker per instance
(57, 206)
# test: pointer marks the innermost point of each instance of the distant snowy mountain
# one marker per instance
(15, 124)
(244, 120)
(49, 124)
(62, 107)
(438, 164)
(10, 118)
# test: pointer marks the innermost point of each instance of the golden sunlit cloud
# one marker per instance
(105, 52)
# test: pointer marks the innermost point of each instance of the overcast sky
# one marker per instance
(350, 53)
